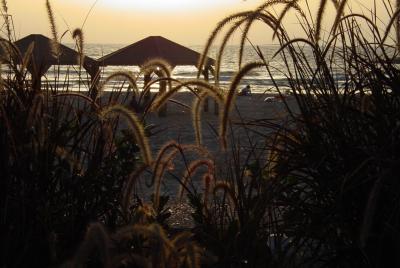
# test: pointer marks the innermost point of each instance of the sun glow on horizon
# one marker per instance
(165, 5)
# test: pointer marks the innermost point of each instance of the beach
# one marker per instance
(177, 125)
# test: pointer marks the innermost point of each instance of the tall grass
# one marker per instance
(321, 190)
(333, 163)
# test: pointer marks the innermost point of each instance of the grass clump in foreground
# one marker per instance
(322, 191)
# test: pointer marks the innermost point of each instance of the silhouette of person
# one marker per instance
(246, 91)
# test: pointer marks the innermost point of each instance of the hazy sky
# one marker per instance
(125, 21)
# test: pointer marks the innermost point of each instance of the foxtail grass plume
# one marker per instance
(77, 34)
(136, 126)
(318, 22)
(226, 187)
(162, 99)
(286, 9)
(196, 116)
(96, 243)
(126, 75)
(232, 18)
(55, 46)
(223, 44)
(6, 19)
(196, 109)
(159, 66)
(127, 194)
(4, 6)
(191, 169)
(164, 159)
(169, 80)
(79, 95)
(231, 98)
(204, 87)
(213, 36)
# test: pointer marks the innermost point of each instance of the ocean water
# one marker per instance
(259, 79)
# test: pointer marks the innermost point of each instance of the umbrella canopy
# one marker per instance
(153, 47)
(43, 57)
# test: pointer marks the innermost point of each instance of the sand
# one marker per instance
(177, 124)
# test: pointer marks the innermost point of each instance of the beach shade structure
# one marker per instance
(43, 57)
(153, 47)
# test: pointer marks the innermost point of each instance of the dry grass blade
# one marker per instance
(214, 35)
(196, 111)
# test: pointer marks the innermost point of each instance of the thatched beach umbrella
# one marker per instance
(43, 57)
(152, 47)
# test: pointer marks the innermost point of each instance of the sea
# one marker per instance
(259, 79)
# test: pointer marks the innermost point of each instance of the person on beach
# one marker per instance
(246, 91)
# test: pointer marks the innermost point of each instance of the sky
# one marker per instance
(125, 21)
